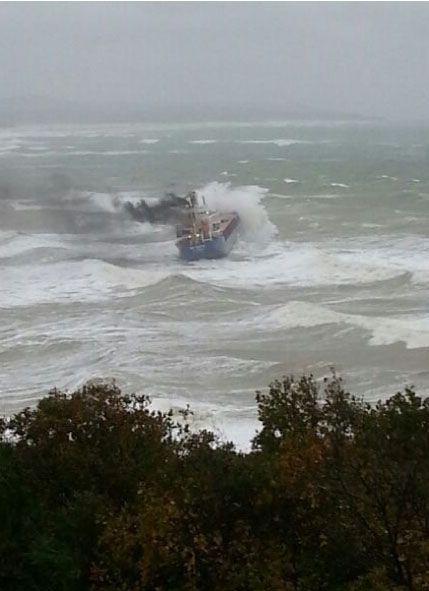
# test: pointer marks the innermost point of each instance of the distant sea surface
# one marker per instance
(332, 267)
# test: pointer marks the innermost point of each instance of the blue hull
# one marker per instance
(215, 248)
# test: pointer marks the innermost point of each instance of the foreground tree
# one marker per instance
(99, 492)
(71, 461)
(359, 476)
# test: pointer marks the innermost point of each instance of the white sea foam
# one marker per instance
(66, 154)
(6, 235)
(247, 201)
(9, 147)
(149, 141)
(106, 153)
(15, 243)
(342, 185)
(38, 148)
(26, 205)
(392, 257)
(281, 143)
(411, 330)
(231, 422)
(294, 265)
(404, 255)
(386, 176)
(226, 173)
(202, 142)
(90, 280)
(290, 181)
(324, 196)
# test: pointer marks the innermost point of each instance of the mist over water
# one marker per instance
(331, 267)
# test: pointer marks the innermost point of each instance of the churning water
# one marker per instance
(332, 267)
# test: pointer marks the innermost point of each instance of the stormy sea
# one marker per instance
(331, 268)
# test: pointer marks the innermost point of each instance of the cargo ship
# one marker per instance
(206, 234)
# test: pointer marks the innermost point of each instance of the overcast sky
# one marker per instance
(370, 58)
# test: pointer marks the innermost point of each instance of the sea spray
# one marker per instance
(247, 201)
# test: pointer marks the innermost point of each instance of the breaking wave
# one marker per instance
(90, 280)
(411, 330)
(281, 143)
(203, 142)
(16, 243)
(296, 265)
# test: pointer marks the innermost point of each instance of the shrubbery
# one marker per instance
(98, 492)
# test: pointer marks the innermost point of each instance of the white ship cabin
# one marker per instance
(203, 223)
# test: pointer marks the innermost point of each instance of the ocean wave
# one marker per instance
(296, 265)
(401, 255)
(37, 148)
(18, 154)
(90, 280)
(387, 177)
(325, 196)
(16, 243)
(65, 154)
(26, 205)
(10, 147)
(413, 331)
(30, 133)
(202, 142)
(7, 238)
(180, 364)
(105, 153)
(281, 143)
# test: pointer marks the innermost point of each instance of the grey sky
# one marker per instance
(370, 58)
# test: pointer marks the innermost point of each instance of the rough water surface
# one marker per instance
(332, 267)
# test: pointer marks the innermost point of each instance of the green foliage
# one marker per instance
(98, 492)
